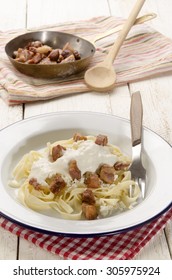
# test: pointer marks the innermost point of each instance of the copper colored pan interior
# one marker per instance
(55, 40)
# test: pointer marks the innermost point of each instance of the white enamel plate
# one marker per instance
(34, 133)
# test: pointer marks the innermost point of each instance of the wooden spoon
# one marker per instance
(102, 77)
(118, 28)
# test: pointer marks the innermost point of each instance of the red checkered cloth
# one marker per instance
(123, 246)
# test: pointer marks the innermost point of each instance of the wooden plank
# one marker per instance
(29, 251)
(120, 102)
(157, 111)
(49, 14)
(52, 12)
(168, 232)
(153, 251)
(8, 245)
(9, 114)
(163, 21)
(13, 16)
(77, 102)
(155, 93)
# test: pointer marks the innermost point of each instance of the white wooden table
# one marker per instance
(156, 95)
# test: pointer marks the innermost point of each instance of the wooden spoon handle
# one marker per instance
(118, 28)
(145, 18)
(122, 35)
(136, 116)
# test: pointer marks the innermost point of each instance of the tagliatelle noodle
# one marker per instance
(110, 198)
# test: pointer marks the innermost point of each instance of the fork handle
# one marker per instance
(136, 116)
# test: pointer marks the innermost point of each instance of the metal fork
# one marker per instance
(138, 172)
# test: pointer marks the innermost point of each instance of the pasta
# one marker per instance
(83, 177)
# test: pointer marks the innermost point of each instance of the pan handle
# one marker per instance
(139, 20)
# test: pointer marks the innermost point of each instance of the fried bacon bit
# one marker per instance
(121, 166)
(54, 55)
(69, 58)
(77, 55)
(36, 58)
(92, 180)
(33, 182)
(74, 171)
(29, 54)
(89, 211)
(33, 49)
(88, 205)
(57, 184)
(44, 49)
(106, 173)
(35, 44)
(77, 137)
(101, 140)
(88, 197)
(23, 55)
(57, 152)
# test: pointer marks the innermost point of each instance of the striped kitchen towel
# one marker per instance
(124, 246)
(145, 53)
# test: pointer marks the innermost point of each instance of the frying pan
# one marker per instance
(57, 40)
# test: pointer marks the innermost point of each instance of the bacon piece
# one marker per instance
(88, 197)
(89, 211)
(44, 49)
(89, 205)
(36, 58)
(66, 53)
(77, 55)
(33, 182)
(59, 60)
(54, 55)
(74, 171)
(121, 165)
(77, 137)
(35, 44)
(23, 55)
(92, 180)
(57, 152)
(70, 58)
(33, 49)
(57, 184)
(101, 140)
(106, 173)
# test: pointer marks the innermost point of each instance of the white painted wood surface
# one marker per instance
(156, 95)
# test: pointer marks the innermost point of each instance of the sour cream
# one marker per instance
(88, 156)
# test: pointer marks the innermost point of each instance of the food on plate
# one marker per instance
(37, 53)
(83, 177)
